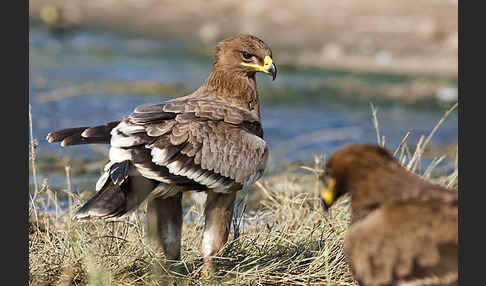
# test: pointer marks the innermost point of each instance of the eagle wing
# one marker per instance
(213, 144)
(404, 241)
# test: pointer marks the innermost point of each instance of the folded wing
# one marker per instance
(214, 145)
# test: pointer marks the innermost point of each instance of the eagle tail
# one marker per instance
(109, 202)
(119, 193)
(83, 135)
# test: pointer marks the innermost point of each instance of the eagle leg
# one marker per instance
(218, 212)
(165, 225)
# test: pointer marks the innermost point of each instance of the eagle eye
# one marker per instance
(247, 55)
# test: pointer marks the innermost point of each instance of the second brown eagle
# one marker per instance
(403, 229)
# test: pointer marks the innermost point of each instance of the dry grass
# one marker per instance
(285, 240)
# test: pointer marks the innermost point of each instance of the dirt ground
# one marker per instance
(416, 36)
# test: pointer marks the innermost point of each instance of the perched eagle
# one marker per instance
(209, 141)
(403, 229)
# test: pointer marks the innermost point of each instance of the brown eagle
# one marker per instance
(403, 229)
(209, 141)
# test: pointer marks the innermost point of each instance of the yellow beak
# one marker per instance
(327, 193)
(327, 196)
(268, 67)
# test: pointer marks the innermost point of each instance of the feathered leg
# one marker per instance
(165, 224)
(218, 213)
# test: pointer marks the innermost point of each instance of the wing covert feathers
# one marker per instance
(202, 108)
(212, 147)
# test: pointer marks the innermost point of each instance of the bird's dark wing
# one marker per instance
(404, 241)
(212, 144)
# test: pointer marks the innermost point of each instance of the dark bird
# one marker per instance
(209, 141)
(403, 229)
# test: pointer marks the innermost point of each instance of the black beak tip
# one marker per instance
(274, 72)
(324, 206)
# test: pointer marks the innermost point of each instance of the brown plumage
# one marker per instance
(210, 140)
(403, 228)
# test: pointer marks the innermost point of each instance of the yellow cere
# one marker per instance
(267, 62)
